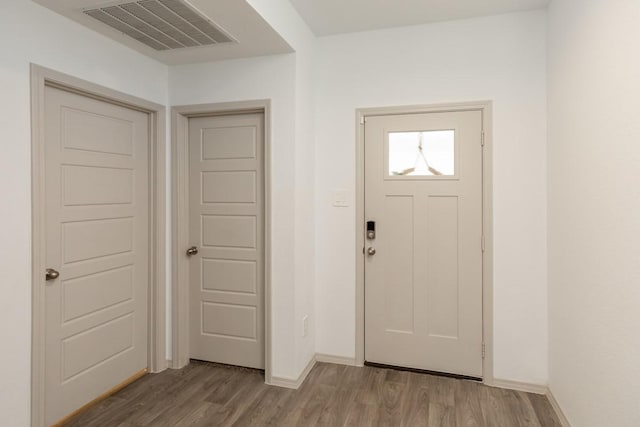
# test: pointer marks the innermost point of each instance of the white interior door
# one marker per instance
(423, 267)
(97, 240)
(226, 191)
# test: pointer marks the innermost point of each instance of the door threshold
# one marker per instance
(423, 371)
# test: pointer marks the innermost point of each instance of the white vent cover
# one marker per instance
(161, 24)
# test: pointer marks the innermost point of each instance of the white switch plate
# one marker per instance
(340, 198)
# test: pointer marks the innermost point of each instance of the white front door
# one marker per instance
(226, 204)
(97, 239)
(423, 267)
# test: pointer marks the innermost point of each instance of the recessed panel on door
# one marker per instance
(101, 133)
(226, 143)
(97, 238)
(227, 275)
(443, 285)
(233, 231)
(423, 269)
(96, 345)
(229, 320)
(85, 295)
(83, 240)
(398, 280)
(89, 185)
(229, 187)
(226, 155)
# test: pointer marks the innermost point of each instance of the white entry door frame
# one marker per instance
(41, 78)
(180, 116)
(485, 107)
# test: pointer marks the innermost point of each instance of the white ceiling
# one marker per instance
(327, 17)
(255, 37)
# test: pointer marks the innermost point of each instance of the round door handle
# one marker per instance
(51, 274)
(371, 251)
(192, 251)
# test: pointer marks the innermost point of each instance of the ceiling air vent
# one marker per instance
(161, 24)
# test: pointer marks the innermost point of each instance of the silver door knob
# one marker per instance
(371, 251)
(51, 274)
(192, 251)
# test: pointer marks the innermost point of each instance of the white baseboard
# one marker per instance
(293, 383)
(556, 407)
(337, 360)
(537, 389)
(519, 386)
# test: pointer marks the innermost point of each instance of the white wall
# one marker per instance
(594, 200)
(498, 58)
(286, 80)
(285, 20)
(34, 34)
(305, 207)
(269, 77)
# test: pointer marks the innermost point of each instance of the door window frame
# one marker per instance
(485, 107)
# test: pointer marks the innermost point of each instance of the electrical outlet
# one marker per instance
(305, 325)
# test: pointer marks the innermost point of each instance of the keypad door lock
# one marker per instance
(371, 230)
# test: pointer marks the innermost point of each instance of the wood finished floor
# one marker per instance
(206, 394)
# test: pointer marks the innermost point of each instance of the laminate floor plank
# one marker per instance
(544, 411)
(337, 409)
(415, 409)
(207, 394)
(468, 408)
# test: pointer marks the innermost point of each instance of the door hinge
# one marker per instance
(363, 120)
(483, 350)
(482, 243)
(482, 139)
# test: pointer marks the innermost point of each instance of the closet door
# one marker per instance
(226, 205)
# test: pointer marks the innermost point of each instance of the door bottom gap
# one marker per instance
(422, 371)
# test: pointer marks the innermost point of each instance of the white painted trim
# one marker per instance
(40, 78)
(293, 383)
(537, 389)
(558, 410)
(180, 220)
(519, 386)
(337, 360)
(486, 107)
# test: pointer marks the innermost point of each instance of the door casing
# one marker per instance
(485, 107)
(40, 78)
(180, 220)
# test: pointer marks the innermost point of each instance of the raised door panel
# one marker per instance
(234, 142)
(229, 187)
(87, 294)
(82, 185)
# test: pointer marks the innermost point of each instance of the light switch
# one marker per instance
(340, 198)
